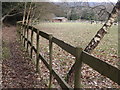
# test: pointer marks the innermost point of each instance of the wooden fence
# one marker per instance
(100, 66)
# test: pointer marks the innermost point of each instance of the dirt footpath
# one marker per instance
(18, 70)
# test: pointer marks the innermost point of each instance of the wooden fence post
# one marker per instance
(37, 54)
(24, 35)
(27, 37)
(50, 61)
(22, 27)
(19, 29)
(31, 52)
(77, 79)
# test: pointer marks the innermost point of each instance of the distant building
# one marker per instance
(59, 19)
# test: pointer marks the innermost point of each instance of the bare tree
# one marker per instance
(28, 14)
(12, 9)
(24, 13)
(100, 34)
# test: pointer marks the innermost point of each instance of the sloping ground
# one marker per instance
(77, 34)
(18, 70)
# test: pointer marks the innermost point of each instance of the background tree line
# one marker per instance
(45, 11)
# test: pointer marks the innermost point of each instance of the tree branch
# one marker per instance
(100, 34)
(8, 14)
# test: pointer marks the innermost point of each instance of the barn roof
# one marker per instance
(58, 17)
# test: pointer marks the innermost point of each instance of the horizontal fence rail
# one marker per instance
(100, 66)
(70, 49)
(60, 80)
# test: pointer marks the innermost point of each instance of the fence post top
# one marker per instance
(19, 21)
(38, 31)
(78, 51)
(79, 48)
(50, 36)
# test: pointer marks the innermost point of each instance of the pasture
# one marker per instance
(80, 34)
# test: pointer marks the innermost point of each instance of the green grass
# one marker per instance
(5, 50)
(80, 34)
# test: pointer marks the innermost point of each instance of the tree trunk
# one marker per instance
(24, 13)
(28, 15)
(8, 13)
(118, 64)
(33, 11)
(100, 34)
(97, 38)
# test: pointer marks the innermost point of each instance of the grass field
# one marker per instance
(80, 34)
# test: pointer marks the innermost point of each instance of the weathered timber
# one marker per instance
(70, 49)
(31, 51)
(78, 65)
(50, 61)
(21, 31)
(61, 81)
(37, 54)
(24, 34)
(27, 38)
(102, 67)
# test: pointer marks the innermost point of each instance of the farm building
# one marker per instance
(59, 19)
